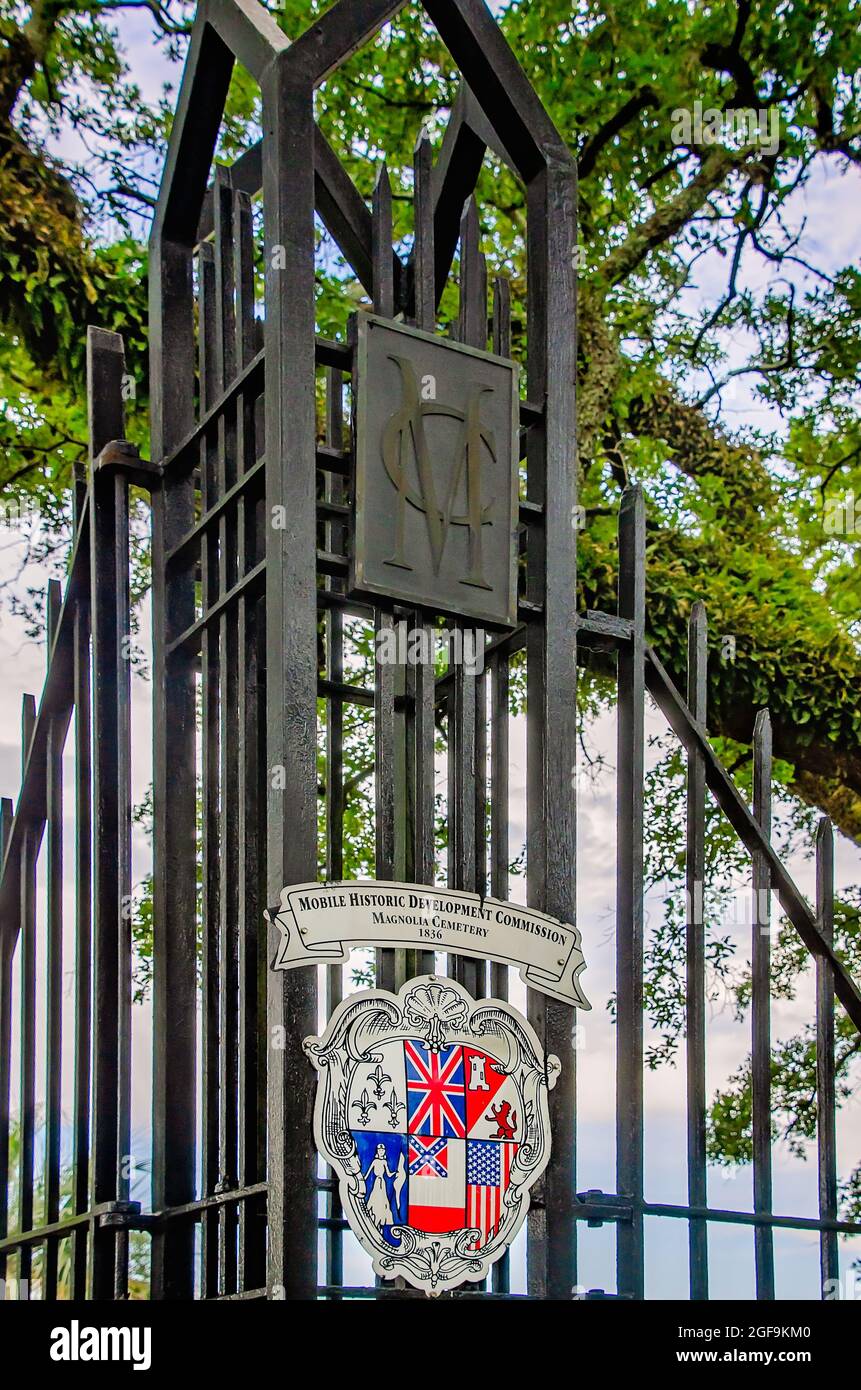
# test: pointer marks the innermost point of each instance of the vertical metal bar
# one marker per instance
(335, 653)
(228, 848)
(54, 973)
(480, 774)
(6, 949)
(499, 851)
(334, 1210)
(229, 945)
(105, 370)
(472, 330)
(384, 773)
(388, 727)
(384, 769)
(381, 245)
(499, 700)
(501, 316)
(462, 796)
(402, 766)
(826, 1105)
(412, 798)
(6, 817)
(472, 323)
(499, 833)
(175, 857)
(174, 774)
(393, 757)
(209, 375)
(79, 494)
(291, 651)
(53, 964)
(83, 941)
(54, 601)
(406, 962)
(225, 277)
(423, 246)
(761, 1011)
(124, 867)
(392, 966)
(424, 733)
(209, 379)
(629, 892)
(470, 699)
(418, 776)
(27, 1103)
(252, 1248)
(335, 730)
(243, 278)
(696, 958)
(28, 725)
(106, 366)
(552, 676)
(465, 779)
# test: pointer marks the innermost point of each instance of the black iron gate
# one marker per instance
(252, 635)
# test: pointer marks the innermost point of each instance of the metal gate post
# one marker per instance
(291, 654)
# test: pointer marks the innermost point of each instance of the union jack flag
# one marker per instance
(488, 1174)
(436, 1098)
(428, 1157)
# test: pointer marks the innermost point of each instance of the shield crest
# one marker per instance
(432, 1109)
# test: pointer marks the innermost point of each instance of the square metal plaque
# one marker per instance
(435, 501)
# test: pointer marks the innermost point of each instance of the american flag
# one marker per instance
(488, 1174)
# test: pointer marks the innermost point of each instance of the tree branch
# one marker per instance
(728, 58)
(588, 156)
(670, 218)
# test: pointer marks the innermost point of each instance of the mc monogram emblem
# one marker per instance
(435, 510)
(405, 428)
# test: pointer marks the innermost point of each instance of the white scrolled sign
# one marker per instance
(320, 924)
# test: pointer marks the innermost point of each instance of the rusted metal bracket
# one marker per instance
(126, 1216)
(596, 1207)
(122, 456)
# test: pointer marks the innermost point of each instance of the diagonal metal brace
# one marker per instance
(722, 787)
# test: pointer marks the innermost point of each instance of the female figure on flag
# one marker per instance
(378, 1202)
